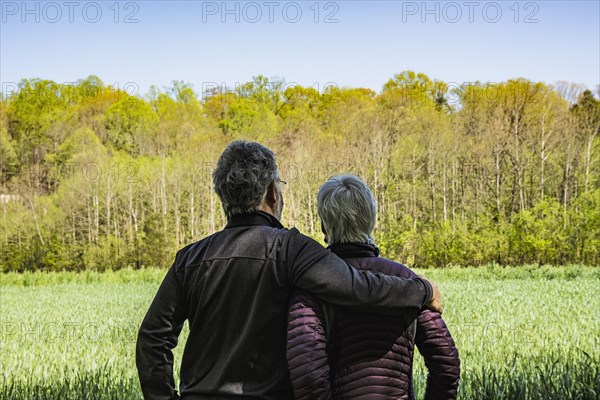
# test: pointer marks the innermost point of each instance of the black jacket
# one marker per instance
(234, 289)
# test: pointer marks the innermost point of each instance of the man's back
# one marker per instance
(245, 357)
(228, 286)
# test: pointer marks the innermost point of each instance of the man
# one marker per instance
(234, 287)
(342, 354)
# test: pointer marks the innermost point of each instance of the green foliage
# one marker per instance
(538, 232)
(300, 112)
(153, 248)
(129, 124)
(8, 156)
(507, 173)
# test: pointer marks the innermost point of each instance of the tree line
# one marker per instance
(506, 173)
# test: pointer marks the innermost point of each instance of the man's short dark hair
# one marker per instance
(242, 176)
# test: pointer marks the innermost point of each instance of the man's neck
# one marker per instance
(266, 208)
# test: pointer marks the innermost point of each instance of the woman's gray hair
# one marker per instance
(348, 210)
(242, 176)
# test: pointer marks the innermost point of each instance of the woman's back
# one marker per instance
(370, 355)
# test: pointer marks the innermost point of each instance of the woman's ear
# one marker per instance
(324, 232)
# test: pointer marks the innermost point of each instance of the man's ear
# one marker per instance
(271, 198)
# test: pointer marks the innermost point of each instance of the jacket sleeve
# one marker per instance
(435, 344)
(306, 349)
(327, 277)
(157, 336)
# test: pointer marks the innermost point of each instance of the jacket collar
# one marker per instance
(354, 250)
(255, 218)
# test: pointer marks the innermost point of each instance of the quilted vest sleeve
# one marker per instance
(306, 348)
(440, 354)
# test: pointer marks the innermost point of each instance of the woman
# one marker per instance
(341, 354)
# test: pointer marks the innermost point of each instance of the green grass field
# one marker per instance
(522, 333)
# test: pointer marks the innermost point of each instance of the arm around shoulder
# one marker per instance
(326, 276)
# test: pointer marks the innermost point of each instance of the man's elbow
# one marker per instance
(143, 352)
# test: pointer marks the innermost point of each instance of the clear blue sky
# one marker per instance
(362, 44)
